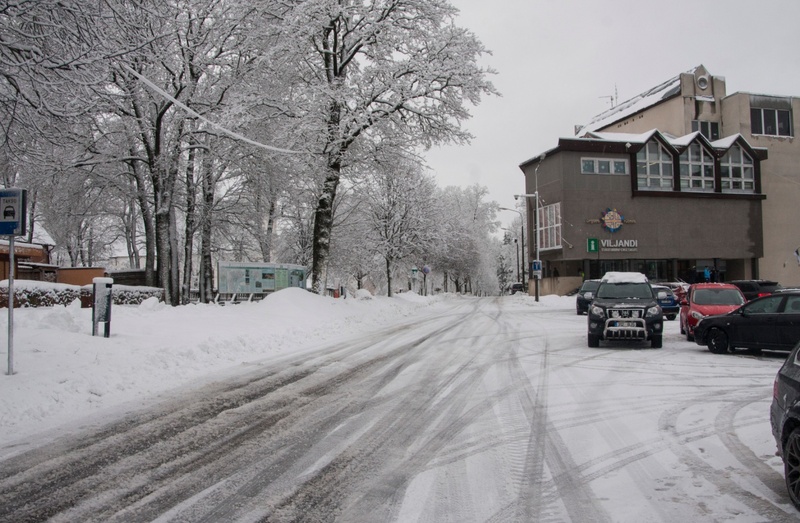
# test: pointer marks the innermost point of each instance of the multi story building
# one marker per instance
(677, 179)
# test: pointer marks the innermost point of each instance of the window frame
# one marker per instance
(612, 164)
(665, 168)
(549, 225)
(758, 121)
(706, 179)
(728, 165)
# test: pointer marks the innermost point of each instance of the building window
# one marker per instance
(708, 129)
(737, 171)
(654, 167)
(550, 227)
(771, 122)
(697, 169)
(604, 166)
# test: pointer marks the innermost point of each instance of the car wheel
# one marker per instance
(717, 341)
(689, 336)
(670, 317)
(791, 466)
(593, 341)
(655, 341)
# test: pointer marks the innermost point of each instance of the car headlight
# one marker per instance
(598, 311)
(655, 310)
(696, 315)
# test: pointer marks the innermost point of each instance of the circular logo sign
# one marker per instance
(612, 220)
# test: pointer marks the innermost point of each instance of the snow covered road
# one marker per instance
(489, 409)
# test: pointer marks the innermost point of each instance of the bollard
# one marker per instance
(101, 304)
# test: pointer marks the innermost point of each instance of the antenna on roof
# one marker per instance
(612, 98)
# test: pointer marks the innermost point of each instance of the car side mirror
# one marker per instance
(588, 295)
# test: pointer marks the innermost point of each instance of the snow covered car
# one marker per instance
(624, 307)
(785, 421)
(707, 299)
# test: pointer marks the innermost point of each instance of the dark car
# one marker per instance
(753, 289)
(624, 307)
(771, 322)
(517, 287)
(785, 420)
(669, 302)
(581, 301)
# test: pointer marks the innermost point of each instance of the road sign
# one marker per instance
(592, 245)
(13, 212)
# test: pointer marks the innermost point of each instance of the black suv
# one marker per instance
(753, 289)
(624, 307)
(785, 420)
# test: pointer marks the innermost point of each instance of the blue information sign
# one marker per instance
(13, 212)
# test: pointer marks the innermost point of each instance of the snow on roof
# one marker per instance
(725, 143)
(624, 277)
(638, 103)
(625, 137)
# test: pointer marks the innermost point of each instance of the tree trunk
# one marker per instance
(389, 277)
(206, 265)
(190, 223)
(323, 223)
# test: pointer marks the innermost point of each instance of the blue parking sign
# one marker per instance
(13, 212)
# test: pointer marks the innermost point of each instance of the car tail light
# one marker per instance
(762, 294)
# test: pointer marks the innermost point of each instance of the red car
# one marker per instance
(707, 299)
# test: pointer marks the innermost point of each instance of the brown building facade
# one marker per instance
(679, 178)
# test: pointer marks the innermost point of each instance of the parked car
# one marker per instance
(707, 299)
(771, 322)
(670, 305)
(624, 307)
(517, 287)
(581, 301)
(753, 289)
(785, 421)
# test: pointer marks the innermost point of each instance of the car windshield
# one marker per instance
(625, 290)
(718, 297)
(590, 286)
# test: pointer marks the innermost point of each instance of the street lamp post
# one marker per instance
(535, 195)
(522, 239)
(517, 246)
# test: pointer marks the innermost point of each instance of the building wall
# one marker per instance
(780, 173)
(780, 178)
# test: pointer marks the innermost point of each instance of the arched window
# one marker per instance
(697, 169)
(654, 167)
(737, 171)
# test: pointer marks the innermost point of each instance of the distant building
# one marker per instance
(680, 177)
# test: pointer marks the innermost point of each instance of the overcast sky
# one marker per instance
(557, 60)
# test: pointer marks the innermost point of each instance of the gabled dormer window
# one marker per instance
(697, 169)
(654, 167)
(737, 171)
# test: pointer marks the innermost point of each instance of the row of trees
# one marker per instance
(195, 130)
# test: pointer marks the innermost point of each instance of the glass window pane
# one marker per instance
(587, 166)
(620, 167)
(756, 123)
(770, 122)
(714, 131)
(784, 123)
(603, 166)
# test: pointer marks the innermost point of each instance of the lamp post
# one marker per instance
(522, 238)
(535, 219)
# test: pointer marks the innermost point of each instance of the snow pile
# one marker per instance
(624, 277)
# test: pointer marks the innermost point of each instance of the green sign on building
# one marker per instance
(592, 245)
